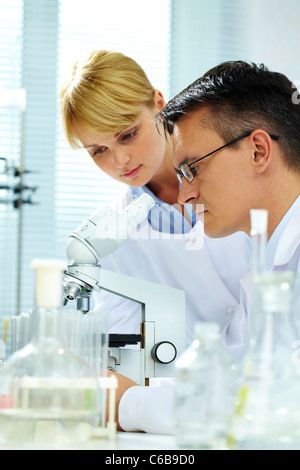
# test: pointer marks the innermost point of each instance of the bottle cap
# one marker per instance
(48, 282)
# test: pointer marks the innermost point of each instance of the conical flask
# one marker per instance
(47, 393)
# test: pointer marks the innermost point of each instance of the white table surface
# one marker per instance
(123, 441)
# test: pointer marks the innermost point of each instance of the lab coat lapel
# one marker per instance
(288, 243)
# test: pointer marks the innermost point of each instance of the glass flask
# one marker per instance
(205, 390)
(267, 416)
(48, 394)
(259, 237)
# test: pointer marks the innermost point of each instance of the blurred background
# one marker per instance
(47, 189)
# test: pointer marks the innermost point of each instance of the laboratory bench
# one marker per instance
(123, 441)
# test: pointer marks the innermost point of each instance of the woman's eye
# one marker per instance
(99, 151)
(129, 135)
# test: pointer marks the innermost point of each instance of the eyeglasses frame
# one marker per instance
(180, 173)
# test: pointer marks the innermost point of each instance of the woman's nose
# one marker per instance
(121, 158)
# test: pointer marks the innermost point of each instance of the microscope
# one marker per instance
(162, 323)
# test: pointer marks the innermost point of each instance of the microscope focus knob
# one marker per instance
(164, 352)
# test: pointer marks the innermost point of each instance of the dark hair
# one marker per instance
(241, 97)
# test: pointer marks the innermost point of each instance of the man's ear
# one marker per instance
(262, 150)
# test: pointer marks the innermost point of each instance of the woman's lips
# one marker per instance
(132, 173)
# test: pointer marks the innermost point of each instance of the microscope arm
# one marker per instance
(162, 322)
(162, 307)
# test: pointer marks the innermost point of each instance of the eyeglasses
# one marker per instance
(187, 170)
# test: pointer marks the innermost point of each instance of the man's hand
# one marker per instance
(124, 383)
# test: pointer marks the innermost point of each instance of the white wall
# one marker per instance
(205, 33)
(273, 34)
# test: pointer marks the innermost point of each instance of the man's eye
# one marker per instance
(194, 170)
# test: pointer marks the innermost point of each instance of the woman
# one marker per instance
(107, 106)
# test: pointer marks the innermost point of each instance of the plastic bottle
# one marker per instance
(206, 386)
(47, 394)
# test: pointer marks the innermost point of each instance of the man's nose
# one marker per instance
(188, 192)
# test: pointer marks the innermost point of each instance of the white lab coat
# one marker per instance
(208, 274)
(287, 258)
(152, 409)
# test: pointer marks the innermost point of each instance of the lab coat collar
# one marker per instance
(287, 245)
(289, 241)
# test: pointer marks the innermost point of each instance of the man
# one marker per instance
(236, 147)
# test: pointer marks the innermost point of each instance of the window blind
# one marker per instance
(175, 41)
(133, 28)
(203, 35)
(47, 37)
(11, 24)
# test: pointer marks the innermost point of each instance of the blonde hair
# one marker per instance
(104, 94)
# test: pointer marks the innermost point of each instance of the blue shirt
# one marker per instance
(164, 217)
